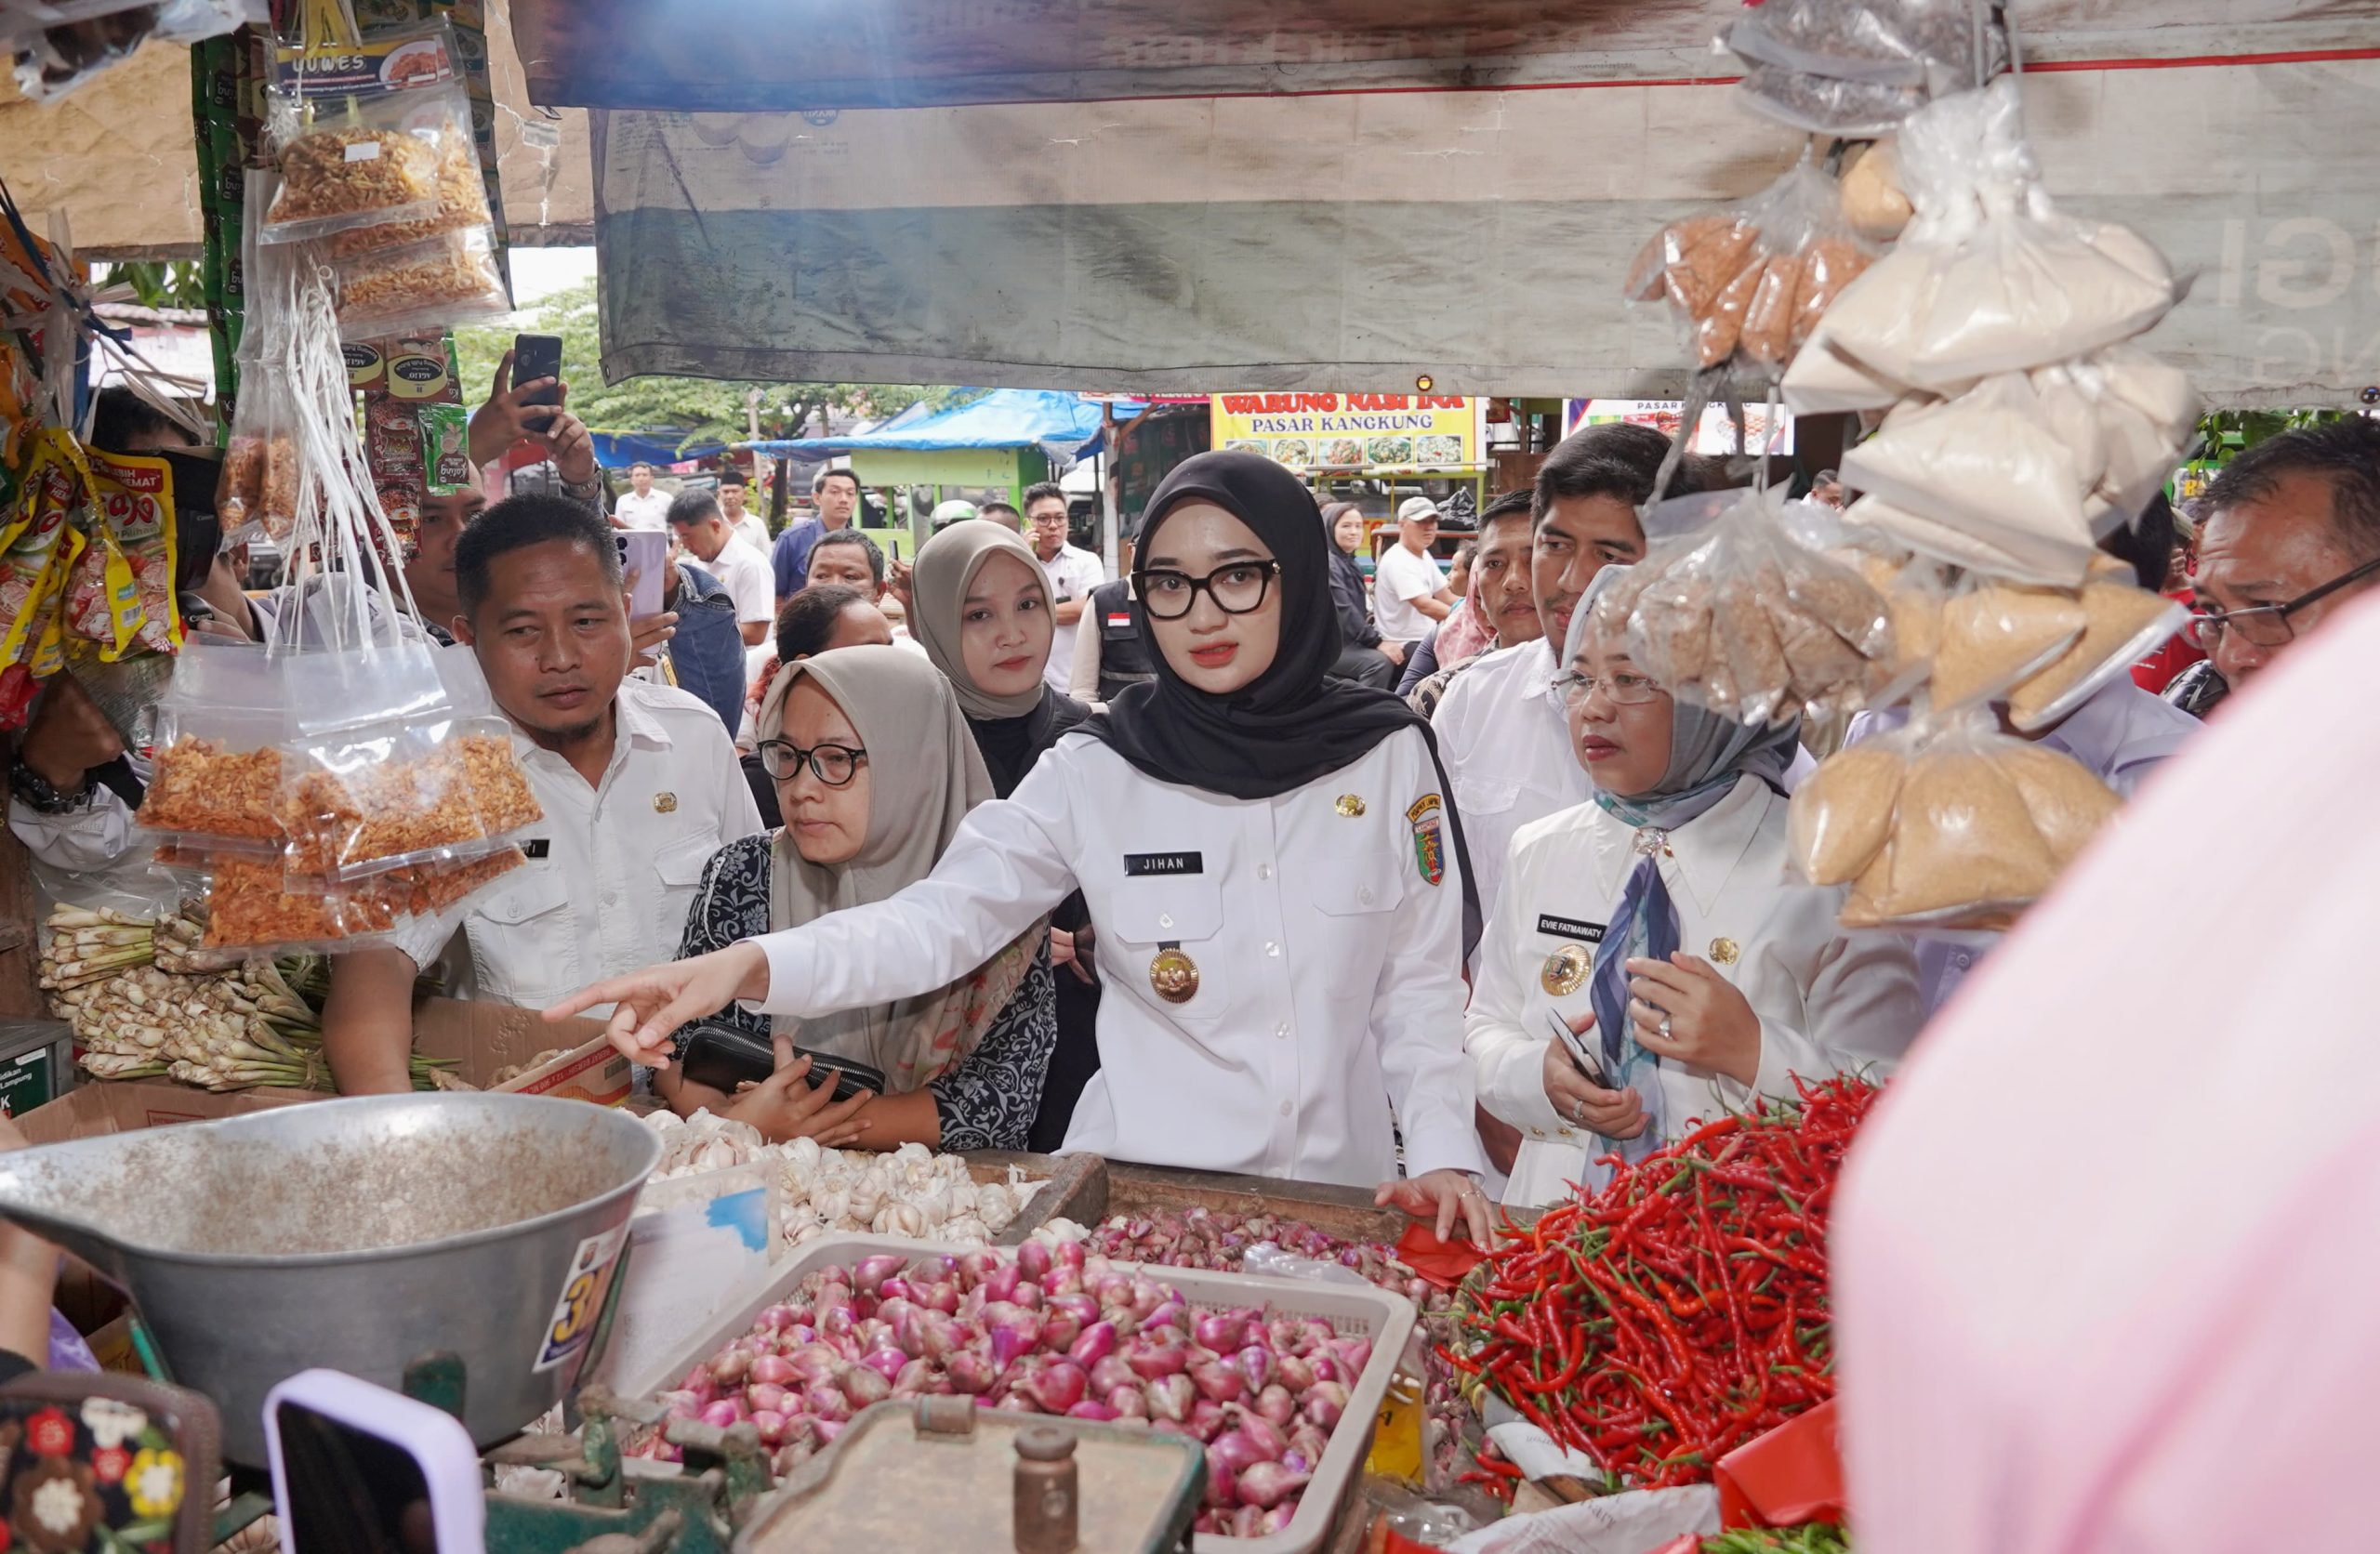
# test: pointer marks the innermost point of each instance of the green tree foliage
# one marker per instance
(702, 409)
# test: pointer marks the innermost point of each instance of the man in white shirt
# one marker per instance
(641, 506)
(638, 782)
(1074, 572)
(695, 520)
(1409, 592)
(749, 526)
(1501, 729)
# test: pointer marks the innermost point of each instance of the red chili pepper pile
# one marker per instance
(1664, 1321)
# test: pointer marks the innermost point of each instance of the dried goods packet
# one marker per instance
(1751, 281)
(1994, 634)
(1744, 620)
(252, 904)
(461, 202)
(427, 285)
(2121, 624)
(216, 766)
(1840, 817)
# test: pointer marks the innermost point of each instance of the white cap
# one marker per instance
(1414, 509)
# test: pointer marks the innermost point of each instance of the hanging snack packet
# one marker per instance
(251, 905)
(1995, 635)
(1856, 68)
(374, 142)
(1992, 480)
(2122, 622)
(38, 546)
(256, 494)
(217, 765)
(1754, 278)
(429, 285)
(136, 507)
(1842, 815)
(1750, 624)
(1989, 278)
(1968, 849)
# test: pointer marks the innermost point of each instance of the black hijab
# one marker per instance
(1293, 724)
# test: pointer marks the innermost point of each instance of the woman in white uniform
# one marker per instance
(1662, 924)
(1272, 858)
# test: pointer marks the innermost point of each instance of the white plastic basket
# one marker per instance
(1387, 1320)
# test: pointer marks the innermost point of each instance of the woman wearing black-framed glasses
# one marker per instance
(1274, 861)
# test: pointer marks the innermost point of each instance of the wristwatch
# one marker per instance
(583, 490)
(41, 797)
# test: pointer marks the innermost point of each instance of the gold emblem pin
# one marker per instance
(1567, 971)
(1173, 975)
(1350, 805)
(665, 803)
(1725, 951)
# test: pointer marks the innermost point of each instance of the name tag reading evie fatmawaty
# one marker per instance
(1570, 927)
(1139, 864)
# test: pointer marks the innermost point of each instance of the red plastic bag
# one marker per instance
(1791, 1475)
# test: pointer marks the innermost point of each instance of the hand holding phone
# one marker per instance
(534, 357)
(1582, 1056)
(356, 1467)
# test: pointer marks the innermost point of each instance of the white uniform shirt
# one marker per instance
(612, 868)
(648, 511)
(1071, 576)
(1827, 1002)
(753, 530)
(1508, 754)
(1399, 578)
(1328, 947)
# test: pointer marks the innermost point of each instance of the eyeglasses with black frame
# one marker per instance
(2268, 625)
(1572, 689)
(1237, 587)
(834, 765)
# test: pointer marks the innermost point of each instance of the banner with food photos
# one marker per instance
(1352, 431)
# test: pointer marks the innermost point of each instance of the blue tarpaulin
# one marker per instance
(617, 450)
(1065, 427)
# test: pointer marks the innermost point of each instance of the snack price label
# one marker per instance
(581, 1300)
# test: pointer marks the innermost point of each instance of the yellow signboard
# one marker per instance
(1352, 431)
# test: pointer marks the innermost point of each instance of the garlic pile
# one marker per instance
(912, 1191)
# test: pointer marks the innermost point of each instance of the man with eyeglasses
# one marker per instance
(638, 782)
(2293, 535)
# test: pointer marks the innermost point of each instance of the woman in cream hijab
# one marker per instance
(959, 1067)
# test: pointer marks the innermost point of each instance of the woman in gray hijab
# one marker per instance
(1652, 959)
(957, 1067)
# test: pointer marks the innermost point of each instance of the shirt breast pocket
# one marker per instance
(1159, 939)
(1356, 896)
(1486, 795)
(522, 948)
(679, 867)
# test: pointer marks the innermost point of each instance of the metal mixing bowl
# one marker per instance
(359, 1234)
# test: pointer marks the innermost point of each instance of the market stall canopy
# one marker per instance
(617, 450)
(1063, 427)
(118, 154)
(1304, 195)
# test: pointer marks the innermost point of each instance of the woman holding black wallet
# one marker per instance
(958, 1067)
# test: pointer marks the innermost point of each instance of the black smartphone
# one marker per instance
(1582, 1056)
(724, 1059)
(536, 356)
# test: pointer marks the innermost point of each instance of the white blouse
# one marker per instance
(1325, 928)
(1827, 1002)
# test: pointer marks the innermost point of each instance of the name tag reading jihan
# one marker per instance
(1141, 864)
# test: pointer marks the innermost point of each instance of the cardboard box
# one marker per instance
(481, 1038)
(485, 1037)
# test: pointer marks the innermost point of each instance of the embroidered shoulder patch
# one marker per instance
(1427, 817)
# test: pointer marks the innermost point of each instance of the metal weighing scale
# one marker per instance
(494, 1235)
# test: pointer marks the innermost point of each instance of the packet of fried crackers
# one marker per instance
(373, 145)
(1755, 279)
(1745, 621)
(216, 757)
(447, 280)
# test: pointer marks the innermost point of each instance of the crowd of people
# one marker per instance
(1238, 860)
